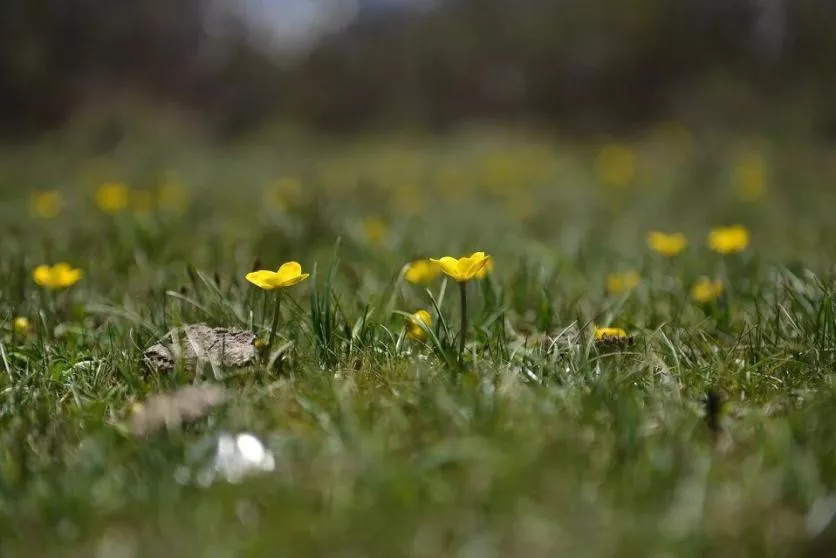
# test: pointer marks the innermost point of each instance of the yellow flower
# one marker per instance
(421, 271)
(112, 197)
(465, 268)
(287, 275)
(612, 337)
(610, 333)
(374, 230)
(21, 325)
(59, 276)
(668, 245)
(413, 325)
(47, 204)
(616, 165)
(283, 194)
(749, 177)
(618, 283)
(705, 290)
(729, 240)
(484, 270)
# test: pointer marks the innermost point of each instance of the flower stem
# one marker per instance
(463, 332)
(275, 322)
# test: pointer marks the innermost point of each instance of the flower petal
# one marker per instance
(291, 281)
(289, 274)
(42, 275)
(61, 268)
(416, 324)
(262, 278)
(69, 277)
(474, 264)
(289, 269)
(451, 267)
(421, 271)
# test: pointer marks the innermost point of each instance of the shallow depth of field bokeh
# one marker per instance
(649, 345)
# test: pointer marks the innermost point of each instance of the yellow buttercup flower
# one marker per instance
(287, 275)
(58, 276)
(413, 325)
(485, 269)
(374, 230)
(46, 204)
(21, 325)
(705, 290)
(667, 245)
(729, 240)
(614, 337)
(602, 333)
(421, 271)
(112, 197)
(616, 165)
(282, 194)
(465, 268)
(618, 283)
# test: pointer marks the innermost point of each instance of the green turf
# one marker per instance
(386, 446)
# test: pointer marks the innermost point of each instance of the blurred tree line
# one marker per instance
(587, 65)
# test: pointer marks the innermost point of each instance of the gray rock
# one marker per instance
(196, 344)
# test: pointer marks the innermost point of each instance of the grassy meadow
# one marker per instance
(703, 424)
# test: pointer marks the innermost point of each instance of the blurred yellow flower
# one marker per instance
(374, 230)
(667, 245)
(618, 283)
(616, 165)
(282, 194)
(58, 276)
(172, 195)
(749, 177)
(729, 240)
(142, 201)
(421, 271)
(46, 204)
(706, 290)
(465, 268)
(413, 325)
(112, 197)
(287, 275)
(606, 333)
(21, 325)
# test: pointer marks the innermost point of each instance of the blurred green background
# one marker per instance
(575, 66)
(166, 148)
